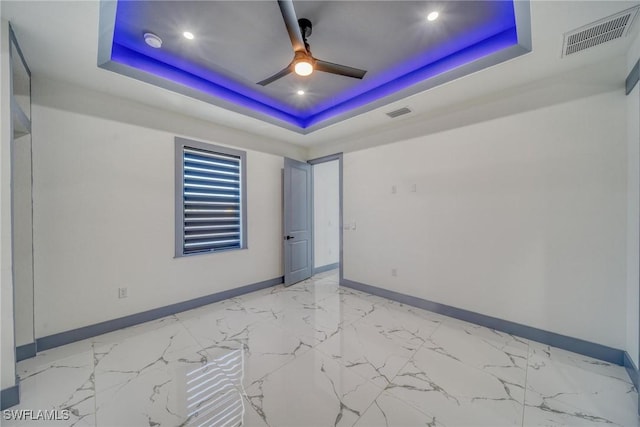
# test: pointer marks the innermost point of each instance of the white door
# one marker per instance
(298, 262)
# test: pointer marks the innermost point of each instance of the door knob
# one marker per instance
(288, 237)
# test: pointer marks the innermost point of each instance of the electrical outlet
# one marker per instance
(122, 292)
(394, 272)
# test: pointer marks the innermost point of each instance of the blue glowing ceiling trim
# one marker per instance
(133, 59)
(505, 37)
(496, 43)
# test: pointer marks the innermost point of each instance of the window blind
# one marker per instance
(211, 201)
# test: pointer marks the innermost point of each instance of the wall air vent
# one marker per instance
(599, 32)
(399, 112)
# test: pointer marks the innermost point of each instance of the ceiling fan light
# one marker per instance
(303, 68)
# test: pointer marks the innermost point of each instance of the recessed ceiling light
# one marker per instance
(300, 92)
(187, 35)
(152, 40)
(433, 16)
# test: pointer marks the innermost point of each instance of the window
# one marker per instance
(210, 198)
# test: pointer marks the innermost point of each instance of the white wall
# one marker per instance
(22, 240)
(326, 211)
(521, 218)
(7, 353)
(633, 210)
(104, 216)
(69, 97)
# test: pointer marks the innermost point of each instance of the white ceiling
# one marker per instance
(60, 40)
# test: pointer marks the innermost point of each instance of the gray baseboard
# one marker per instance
(327, 267)
(587, 348)
(85, 332)
(26, 351)
(10, 396)
(631, 368)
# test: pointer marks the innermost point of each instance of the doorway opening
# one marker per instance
(327, 214)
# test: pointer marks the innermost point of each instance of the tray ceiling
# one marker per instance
(238, 43)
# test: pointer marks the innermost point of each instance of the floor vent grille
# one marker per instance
(599, 32)
(399, 112)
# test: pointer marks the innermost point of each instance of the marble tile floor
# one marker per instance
(316, 354)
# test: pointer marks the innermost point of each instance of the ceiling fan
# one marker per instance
(304, 63)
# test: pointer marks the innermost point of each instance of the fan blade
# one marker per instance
(280, 74)
(343, 70)
(291, 22)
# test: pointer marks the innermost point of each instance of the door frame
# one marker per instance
(312, 162)
(16, 56)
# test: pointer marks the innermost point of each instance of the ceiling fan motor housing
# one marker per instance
(305, 27)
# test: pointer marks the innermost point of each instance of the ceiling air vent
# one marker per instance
(599, 32)
(399, 112)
